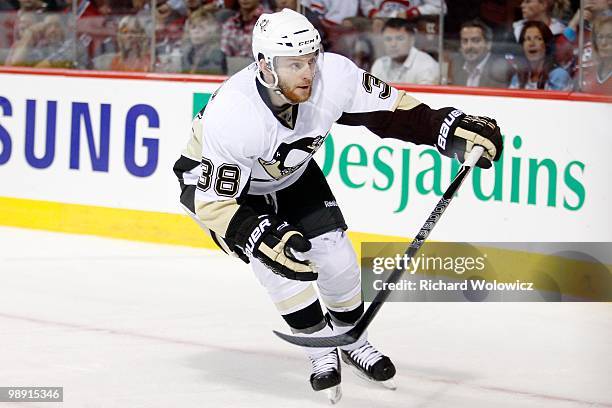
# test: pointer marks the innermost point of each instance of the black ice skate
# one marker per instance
(326, 375)
(371, 364)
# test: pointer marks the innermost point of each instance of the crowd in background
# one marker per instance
(519, 44)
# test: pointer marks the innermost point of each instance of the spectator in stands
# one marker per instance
(561, 10)
(201, 52)
(314, 18)
(7, 24)
(178, 6)
(31, 5)
(27, 32)
(25, 7)
(169, 26)
(138, 5)
(133, 44)
(168, 23)
(567, 43)
(538, 10)
(58, 47)
(24, 21)
(404, 62)
(237, 31)
(409, 10)
(477, 66)
(97, 26)
(209, 6)
(142, 10)
(90, 8)
(46, 45)
(536, 68)
(355, 42)
(332, 12)
(193, 5)
(598, 75)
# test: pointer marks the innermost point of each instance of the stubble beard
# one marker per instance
(293, 96)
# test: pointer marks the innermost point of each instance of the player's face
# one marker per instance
(398, 42)
(473, 44)
(533, 45)
(295, 76)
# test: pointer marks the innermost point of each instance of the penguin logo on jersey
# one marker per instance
(263, 24)
(298, 152)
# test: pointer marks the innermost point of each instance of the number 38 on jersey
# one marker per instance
(226, 181)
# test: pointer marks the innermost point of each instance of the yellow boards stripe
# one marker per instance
(121, 223)
(568, 276)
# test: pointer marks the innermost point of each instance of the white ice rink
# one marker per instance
(124, 324)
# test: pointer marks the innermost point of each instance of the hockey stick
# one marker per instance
(356, 332)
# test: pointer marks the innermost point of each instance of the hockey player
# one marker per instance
(248, 178)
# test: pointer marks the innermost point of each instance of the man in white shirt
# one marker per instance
(404, 62)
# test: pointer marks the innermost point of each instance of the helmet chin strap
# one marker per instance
(273, 87)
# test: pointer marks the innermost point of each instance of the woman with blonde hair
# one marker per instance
(133, 47)
(598, 73)
(567, 43)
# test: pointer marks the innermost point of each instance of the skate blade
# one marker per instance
(388, 384)
(334, 394)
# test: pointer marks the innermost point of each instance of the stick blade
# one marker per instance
(330, 341)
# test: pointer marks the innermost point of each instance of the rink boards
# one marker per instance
(93, 153)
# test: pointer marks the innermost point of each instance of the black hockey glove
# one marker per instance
(460, 132)
(271, 241)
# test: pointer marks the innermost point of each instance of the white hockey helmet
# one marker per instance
(286, 33)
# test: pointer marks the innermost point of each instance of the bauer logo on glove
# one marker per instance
(272, 241)
(256, 234)
(459, 133)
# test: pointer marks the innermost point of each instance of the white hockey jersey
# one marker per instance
(241, 144)
(242, 140)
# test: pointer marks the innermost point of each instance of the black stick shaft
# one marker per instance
(356, 332)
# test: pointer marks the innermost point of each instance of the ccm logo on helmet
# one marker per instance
(306, 42)
(445, 128)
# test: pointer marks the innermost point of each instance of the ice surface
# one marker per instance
(125, 324)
